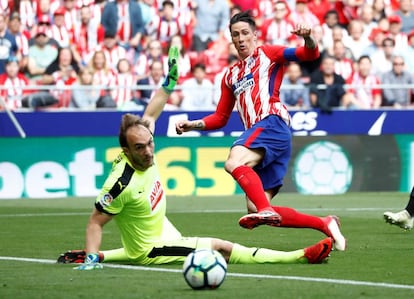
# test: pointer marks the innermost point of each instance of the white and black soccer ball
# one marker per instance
(204, 269)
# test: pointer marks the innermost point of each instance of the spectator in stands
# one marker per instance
(366, 15)
(376, 40)
(319, 8)
(400, 38)
(59, 31)
(123, 19)
(406, 13)
(365, 89)
(278, 30)
(8, 45)
(84, 94)
(152, 53)
(343, 66)
(332, 22)
(27, 12)
(293, 92)
(112, 49)
(148, 10)
(102, 72)
(211, 22)
(44, 25)
(408, 53)
(338, 33)
(63, 71)
(382, 59)
(197, 92)
(88, 34)
(41, 54)
(357, 41)
(164, 25)
(301, 14)
(72, 12)
(333, 94)
(232, 59)
(147, 85)
(380, 10)
(183, 60)
(13, 85)
(123, 81)
(22, 41)
(399, 96)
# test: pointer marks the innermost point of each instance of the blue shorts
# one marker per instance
(274, 136)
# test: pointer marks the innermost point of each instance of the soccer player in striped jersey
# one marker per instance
(134, 197)
(258, 159)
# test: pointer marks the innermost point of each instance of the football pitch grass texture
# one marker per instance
(378, 262)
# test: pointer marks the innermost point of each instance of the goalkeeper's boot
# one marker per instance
(332, 230)
(403, 219)
(72, 256)
(253, 220)
(319, 253)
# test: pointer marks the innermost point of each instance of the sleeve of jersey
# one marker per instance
(223, 111)
(301, 53)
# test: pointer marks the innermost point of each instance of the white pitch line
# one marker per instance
(201, 211)
(262, 276)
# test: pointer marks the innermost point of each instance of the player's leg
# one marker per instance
(314, 254)
(404, 218)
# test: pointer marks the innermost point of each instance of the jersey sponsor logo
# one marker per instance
(156, 194)
(243, 84)
(106, 200)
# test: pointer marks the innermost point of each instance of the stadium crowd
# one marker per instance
(94, 53)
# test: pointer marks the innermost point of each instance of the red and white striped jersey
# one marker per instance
(13, 89)
(365, 89)
(277, 33)
(161, 29)
(253, 85)
(123, 91)
(62, 35)
(22, 44)
(344, 67)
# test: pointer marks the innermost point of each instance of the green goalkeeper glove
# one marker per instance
(172, 77)
(91, 262)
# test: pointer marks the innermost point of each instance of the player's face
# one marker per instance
(140, 150)
(244, 39)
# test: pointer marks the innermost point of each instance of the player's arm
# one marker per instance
(93, 240)
(310, 51)
(157, 103)
(213, 121)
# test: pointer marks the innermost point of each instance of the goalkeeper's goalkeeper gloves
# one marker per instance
(172, 77)
(91, 262)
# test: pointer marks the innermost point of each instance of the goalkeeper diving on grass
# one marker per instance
(134, 197)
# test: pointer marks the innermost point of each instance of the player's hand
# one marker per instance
(172, 77)
(302, 30)
(188, 125)
(91, 262)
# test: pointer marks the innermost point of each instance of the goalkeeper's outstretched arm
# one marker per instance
(157, 103)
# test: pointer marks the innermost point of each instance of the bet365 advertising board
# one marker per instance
(44, 167)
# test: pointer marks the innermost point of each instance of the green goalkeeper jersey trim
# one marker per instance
(138, 202)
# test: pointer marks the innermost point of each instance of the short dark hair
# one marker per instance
(244, 16)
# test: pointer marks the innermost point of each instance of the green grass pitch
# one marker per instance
(377, 264)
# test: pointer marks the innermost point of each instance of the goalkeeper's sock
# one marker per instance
(250, 182)
(114, 255)
(292, 218)
(245, 255)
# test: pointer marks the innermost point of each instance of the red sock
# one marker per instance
(251, 184)
(292, 218)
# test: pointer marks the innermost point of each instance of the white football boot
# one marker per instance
(403, 219)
